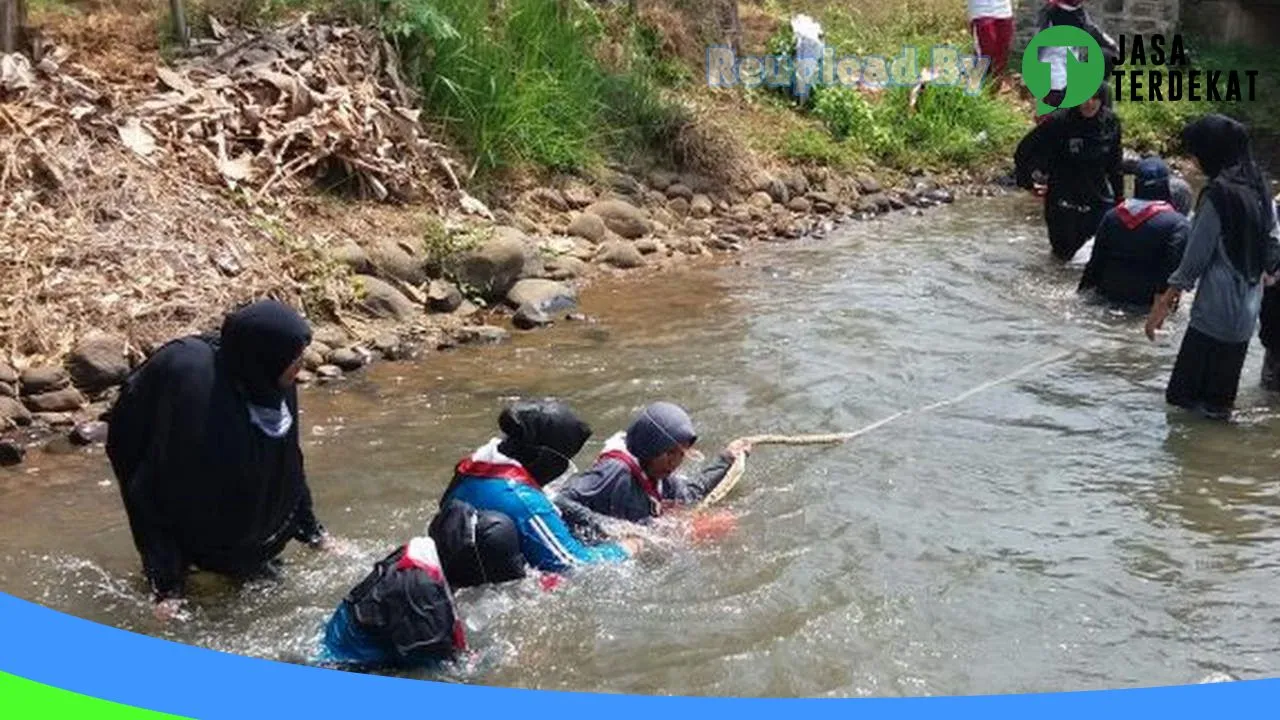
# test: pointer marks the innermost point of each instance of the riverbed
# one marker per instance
(1062, 530)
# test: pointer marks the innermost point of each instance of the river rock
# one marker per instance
(760, 200)
(393, 261)
(620, 254)
(800, 205)
(625, 184)
(941, 196)
(662, 179)
(495, 266)
(7, 374)
(389, 346)
(443, 296)
(533, 267)
(680, 190)
(55, 401)
(89, 433)
(687, 245)
(648, 246)
(579, 196)
(797, 183)
(8, 390)
(546, 295)
(528, 317)
(550, 197)
(98, 362)
(380, 299)
(695, 228)
(305, 377)
(622, 218)
(11, 453)
(34, 381)
(329, 336)
(328, 372)
(868, 185)
(701, 206)
(896, 201)
(313, 357)
(679, 207)
(482, 334)
(353, 256)
(588, 226)
(565, 268)
(347, 359)
(13, 412)
(879, 202)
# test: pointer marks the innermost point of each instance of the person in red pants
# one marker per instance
(991, 22)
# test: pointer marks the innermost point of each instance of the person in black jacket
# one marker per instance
(204, 443)
(1269, 327)
(1139, 243)
(1079, 152)
(635, 477)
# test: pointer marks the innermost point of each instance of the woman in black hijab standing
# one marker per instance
(1232, 246)
(204, 444)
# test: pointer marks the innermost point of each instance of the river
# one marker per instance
(1059, 531)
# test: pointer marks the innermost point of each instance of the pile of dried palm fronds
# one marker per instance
(123, 208)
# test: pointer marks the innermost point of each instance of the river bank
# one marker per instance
(147, 198)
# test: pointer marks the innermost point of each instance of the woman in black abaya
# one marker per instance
(204, 444)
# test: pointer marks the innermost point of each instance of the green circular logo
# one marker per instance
(1083, 78)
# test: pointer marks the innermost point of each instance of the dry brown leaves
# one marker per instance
(150, 210)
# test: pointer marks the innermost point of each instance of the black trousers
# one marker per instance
(1206, 375)
(1071, 226)
(1269, 329)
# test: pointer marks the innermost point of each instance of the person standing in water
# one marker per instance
(635, 477)
(507, 475)
(1071, 13)
(203, 441)
(1269, 329)
(1139, 243)
(1079, 151)
(1232, 244)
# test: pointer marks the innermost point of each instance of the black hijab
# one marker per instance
(258, 343)
(1236, 187)
(543, 436)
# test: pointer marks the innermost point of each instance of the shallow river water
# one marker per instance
(1059, 531)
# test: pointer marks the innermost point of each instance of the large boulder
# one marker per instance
(353, 256)
(13, 412)
(588, 226)
(55, 401)
(346, 359)
(98, 362)
(622, 217)
(868, 185)
(380, 299)
(565, 268)
(545, 295)
(701, 206)
(495, 266)
(620, 254)
(549, 197)
(393, 261)
(680, 190)
(777, 190)
(34, 381)
(761, 200)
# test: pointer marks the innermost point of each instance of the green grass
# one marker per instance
(1157, 126)
(518, 85)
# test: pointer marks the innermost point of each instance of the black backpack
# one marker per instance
(406, 611)
(476, 547)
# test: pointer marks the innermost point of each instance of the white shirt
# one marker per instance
(990, 8)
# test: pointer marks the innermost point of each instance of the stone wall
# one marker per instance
(1115, 17)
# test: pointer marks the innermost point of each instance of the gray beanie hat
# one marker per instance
(657, 429)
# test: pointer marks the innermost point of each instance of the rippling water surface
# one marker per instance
(1059, 531)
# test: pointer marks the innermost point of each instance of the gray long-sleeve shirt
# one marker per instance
(1227, 304)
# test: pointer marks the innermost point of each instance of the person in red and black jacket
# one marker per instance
(1139, 243)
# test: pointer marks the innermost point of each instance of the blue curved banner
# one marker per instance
(97, 661)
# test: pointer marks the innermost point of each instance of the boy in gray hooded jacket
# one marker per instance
(635, 477)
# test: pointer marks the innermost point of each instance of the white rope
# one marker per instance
(739, 466)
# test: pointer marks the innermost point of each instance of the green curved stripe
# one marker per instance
(22, 699)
